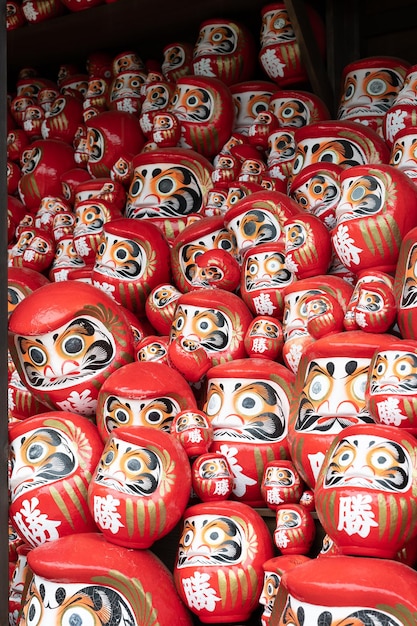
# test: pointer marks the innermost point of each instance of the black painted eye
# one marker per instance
(154, 417)
(34, 612)
(136, 188)
(298, 164)
(36, 451)
(108, 459)
(73, 345)
(122, 416)
(38, 355)
(166, 185)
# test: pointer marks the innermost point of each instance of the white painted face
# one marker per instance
(169, 190)
(211, 541)
(39, 457)
(254, 227)
(216, 39)
(371, 462)
(333, 394)
(276, 27)
(247, 411)
(64, 604)
(394, 372)
(120, 258)
(404, 154)
(209, 328)
(70, 354)
(157, 412)
(265, 270)
(369, 92)
(247, 106)
(295, 316)
(361, 197)
(269, 591)
(339, 150)
(315, 615)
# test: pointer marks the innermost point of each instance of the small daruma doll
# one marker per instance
(295, 529)
(391, 389)
(280, 55)
(65, 339)
(141, 486)
(160, 307)
(212, 478)
(193, 430)
(52, 458)
(281, 483)
(247, 402)
(372, 305)
(142, 394)
(365, 490)
(222, 548)
(264, 338)
(264, 277)
(123, 587)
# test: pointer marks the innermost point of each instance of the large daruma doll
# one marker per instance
(348, 590)
(329, 395)
(65, 339)
(127, 586)
(52, 458)
(145, 393)
(247, 402)
(377, 208)
(221, 549)
(204, 108)
(365, 491)
(145, 477)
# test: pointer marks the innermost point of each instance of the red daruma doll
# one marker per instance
(123, 586)
(65, 340)
(212, 478)
(247, 402)
(141, 486)
(391, 389)
(142, 394)
(208, 328)
(377, 208)
(131, 259)
(193, 430)
(218, 571)
(327, 591)
(365, 490)
(52, 457)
